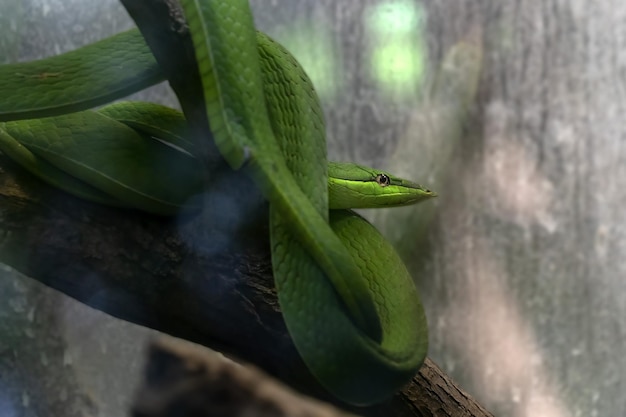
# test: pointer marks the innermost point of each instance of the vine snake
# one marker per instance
(348, 302)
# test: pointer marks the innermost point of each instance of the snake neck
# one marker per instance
(316, 235)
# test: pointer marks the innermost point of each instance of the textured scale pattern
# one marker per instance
(75, 144)
(347, 362)
(297, 122)
(62, 79)
(233, 96)
(338, 289)
(349, 303)
(237, 63)
(152, 119)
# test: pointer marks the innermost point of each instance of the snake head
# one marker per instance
(356, 186)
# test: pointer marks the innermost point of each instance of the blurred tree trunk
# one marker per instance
(523, 273)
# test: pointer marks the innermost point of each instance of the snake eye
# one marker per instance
(383, 180)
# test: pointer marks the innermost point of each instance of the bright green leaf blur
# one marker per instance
(397, 57)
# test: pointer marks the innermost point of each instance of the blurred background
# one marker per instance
(512, 111)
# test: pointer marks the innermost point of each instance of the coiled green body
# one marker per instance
(348, 301)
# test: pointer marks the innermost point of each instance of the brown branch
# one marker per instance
(205, 278)
(183, 379)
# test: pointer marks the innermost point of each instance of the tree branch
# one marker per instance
(182, 379)
(202, 277)
(207, 282)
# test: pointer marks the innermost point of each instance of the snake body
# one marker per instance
(349, 304)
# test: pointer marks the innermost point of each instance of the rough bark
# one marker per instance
(167, 274)
(523, 280)
(202, 277)
(186, 379)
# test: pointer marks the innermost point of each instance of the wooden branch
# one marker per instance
(205, 278)
(183, 379)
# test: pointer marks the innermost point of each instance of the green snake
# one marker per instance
(349, 303)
